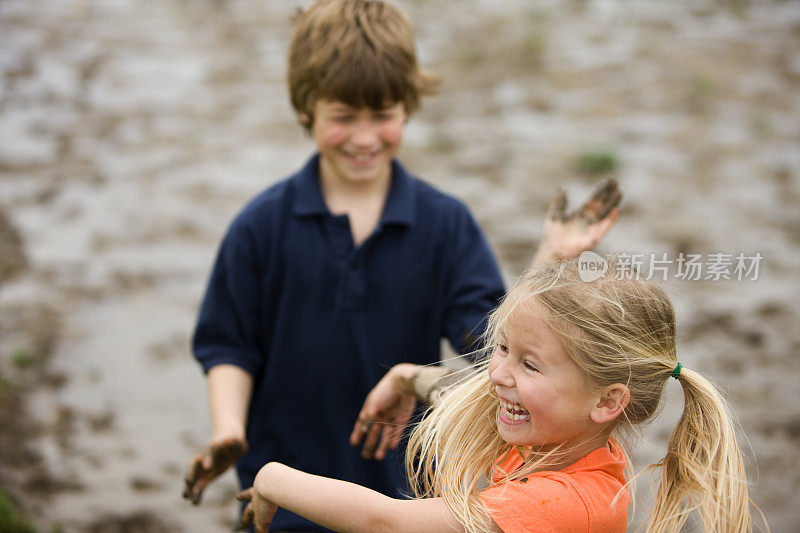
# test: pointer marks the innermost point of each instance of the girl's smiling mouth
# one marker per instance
(513, 414)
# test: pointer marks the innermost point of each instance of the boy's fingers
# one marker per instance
(601, 228)
(192, 473)
(193, 469)
(208, 460)
(609, 201)
(557, 210)
(604, 199)
(197, 490)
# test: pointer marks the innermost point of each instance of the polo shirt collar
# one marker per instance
(400, 203)
(309, 200)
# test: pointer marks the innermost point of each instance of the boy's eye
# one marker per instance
(343, 118)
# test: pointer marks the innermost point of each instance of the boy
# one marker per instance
(331, 277)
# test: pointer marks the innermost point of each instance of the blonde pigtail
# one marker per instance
(703, 470)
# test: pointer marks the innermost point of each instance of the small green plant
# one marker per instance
(597, 162)
(703, 86)
(473, 56)
(21, 358)
(10, 519)
(440, 141)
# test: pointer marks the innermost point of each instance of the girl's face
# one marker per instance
(544, 396)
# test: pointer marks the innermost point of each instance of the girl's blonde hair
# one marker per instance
(616, 331)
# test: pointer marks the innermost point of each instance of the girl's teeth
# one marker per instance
(513, 413)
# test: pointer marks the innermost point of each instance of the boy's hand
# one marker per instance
(259, 512)
(567, 234)
(383, 417)
(207, 465)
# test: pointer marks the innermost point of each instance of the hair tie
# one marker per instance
(677, 371)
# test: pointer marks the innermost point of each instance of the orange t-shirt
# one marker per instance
(574, 499)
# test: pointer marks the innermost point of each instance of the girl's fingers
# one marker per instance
(355, 436)
(245, 495)
(362, 426)
(371, 440)
(247, 517)
(386, 436)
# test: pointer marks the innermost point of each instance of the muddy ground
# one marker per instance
(131, 132)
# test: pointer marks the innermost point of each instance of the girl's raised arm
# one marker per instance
(340, 505)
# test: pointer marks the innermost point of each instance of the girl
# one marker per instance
(574, 368)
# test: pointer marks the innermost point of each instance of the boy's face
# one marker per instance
(356, 145)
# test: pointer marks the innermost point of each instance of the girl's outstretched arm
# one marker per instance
(340, 505)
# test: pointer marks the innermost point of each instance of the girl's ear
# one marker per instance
(613, 400)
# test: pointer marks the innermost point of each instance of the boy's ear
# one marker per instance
(304, 119)
(613, 400)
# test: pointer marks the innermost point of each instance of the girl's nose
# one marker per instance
(501, 376)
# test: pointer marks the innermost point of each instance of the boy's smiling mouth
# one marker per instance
(361, 157)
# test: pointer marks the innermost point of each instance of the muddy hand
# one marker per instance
(605, 198)
(567, 234)
(207, 465)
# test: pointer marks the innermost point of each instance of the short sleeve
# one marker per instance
(226, 331)
(542, 504)
(474, 285)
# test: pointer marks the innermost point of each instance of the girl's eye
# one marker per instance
(530, 366)
(503, 348)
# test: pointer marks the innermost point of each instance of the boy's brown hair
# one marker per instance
(360, 52)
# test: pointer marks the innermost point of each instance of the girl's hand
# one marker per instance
(385, 414)
(568, 234)
(259, 511)
(209, 463)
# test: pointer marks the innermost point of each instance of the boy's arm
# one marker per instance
(339, 505)
(229, 388)
(567, 235)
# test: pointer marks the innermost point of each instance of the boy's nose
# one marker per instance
(364, 134)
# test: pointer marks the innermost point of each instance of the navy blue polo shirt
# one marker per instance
(317, 322)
